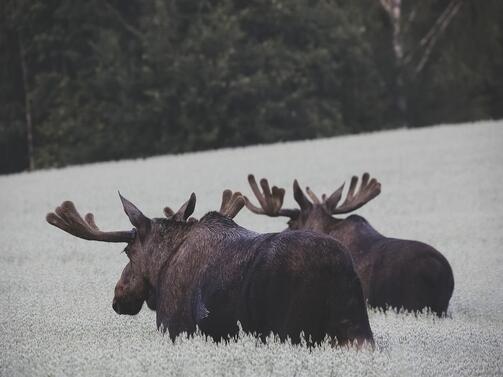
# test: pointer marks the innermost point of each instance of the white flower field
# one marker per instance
(442, 185)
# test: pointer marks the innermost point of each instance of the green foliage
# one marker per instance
(111, 80)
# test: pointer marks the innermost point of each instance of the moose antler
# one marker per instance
(168, 212)
(184, 212)
(369, 189)
(270, 201)
(313, 196)
(231, 203)
(67, 218)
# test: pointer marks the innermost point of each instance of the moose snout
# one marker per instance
(118, 294)
(119, 290)
(115, 306)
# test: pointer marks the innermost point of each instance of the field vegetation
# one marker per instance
(441, 185)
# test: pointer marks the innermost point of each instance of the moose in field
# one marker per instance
(393, 272)
(211, 273)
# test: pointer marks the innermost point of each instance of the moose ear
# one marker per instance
(137, 218)
(186, 209)
(300, 198)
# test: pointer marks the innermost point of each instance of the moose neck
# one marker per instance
(173, 236)
(354, 232)
(179, 238)
(318, 220)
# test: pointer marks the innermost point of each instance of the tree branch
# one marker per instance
(134, 31)
(433, 30)
(438, 22)
(386, 4)
(412, 16)
(446, 20)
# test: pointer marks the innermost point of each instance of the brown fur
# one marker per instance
(394, 272)
(213, 273)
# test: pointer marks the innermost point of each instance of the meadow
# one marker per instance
(441, 185)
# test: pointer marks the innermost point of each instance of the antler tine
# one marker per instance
(253, 208)
(90, 220)
(365, 180)
(67, 218)
(226, 197)
(270, 200)
(237, 203)
(257, 192)
(332, 201)
(355, 198)
(313, 196)
(232, 203)
(168, 212)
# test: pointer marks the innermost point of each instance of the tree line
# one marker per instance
(102, 80)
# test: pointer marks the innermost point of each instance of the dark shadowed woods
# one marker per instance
(102, 80)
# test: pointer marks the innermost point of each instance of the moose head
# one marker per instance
(315, 214)
(149, 244)
(135, 285)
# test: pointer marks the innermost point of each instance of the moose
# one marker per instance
(393, 272)
(211, 274)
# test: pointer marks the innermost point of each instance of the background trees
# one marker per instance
(102, 80)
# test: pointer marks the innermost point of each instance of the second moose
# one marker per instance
(394, 272)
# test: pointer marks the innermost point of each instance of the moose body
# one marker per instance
(213, 273)
(281, 283)
(393, 272)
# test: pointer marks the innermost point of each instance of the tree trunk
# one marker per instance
(28, 110)
(423, 48)
(395, 13)
(394, 10)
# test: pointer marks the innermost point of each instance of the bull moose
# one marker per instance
(211, 273)
(393, 272)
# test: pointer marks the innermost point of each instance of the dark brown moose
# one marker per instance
(211, 273)
(393, 272)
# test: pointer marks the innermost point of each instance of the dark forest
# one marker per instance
(85, 81)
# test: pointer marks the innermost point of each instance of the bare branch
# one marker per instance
(429, 39)
(386, 4)
(413, 12)
(446, 20)
(437, 23)
(134, 31)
